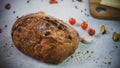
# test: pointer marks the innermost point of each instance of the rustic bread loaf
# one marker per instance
(44, 37)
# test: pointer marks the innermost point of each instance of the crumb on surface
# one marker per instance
(8, 6)
(53, 1)
(0, 30)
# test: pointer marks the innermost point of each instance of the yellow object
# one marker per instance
(103, 29)
(115, 37)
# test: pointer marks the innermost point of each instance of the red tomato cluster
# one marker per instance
(83, 25)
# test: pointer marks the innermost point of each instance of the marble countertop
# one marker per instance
(102, 52)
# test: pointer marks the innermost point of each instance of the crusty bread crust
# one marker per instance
(44, 37)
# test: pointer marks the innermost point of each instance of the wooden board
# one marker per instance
(104, 12)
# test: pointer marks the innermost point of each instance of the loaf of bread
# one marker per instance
(44, 38)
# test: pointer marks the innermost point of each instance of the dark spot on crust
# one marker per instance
(47, 24)
(18, 35)
(24, 21)
(12, 34)
(19, 30)
(15, 27)
(48, 20)
(46, 17)
(29, 32)
(47, 33)
(77, 34)
(26, 39)
(60, 27)
(69, 36)
(54, 22)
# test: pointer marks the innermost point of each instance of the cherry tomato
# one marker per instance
(72, 21)
(84, 25)
(91, 31)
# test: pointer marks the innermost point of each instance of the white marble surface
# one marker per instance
(103, 47)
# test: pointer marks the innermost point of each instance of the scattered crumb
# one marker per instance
(71, 56)
(79, 0)
(85, 9)
(10, 53)
(73, 1)
(5, 26)
(67, 60)
(76, 7)
(14, 12)
(17, 17)
(92, 51)
(81, 11)
(109, 62)
(116, 46)
(8, 6)
(11, 45)
(53, 1)
(78, 52)
(105, 62)
(0, 30)
(28, 1)
(87, 51)
(88, 15)
(85, 14)
(80, 57)
(21, 64)
(89, 56)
